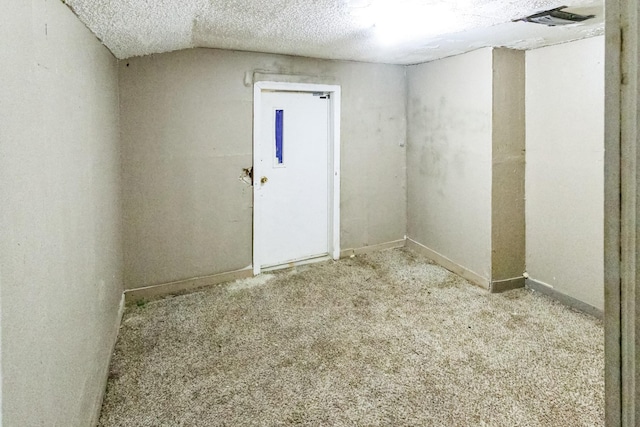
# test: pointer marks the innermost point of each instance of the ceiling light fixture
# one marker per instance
(397, 22)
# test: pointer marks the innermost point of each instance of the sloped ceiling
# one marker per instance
(388, 31)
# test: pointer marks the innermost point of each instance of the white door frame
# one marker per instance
(333, 156)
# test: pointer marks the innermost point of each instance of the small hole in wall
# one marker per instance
(127, 64)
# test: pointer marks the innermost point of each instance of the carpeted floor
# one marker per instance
(385, 339)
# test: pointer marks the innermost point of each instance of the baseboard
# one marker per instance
(155, 291)
(105, 375)
(187, 285)
(445, 262)
(345, 253)
(504, 285)
(563, 298)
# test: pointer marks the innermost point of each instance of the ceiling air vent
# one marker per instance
(555, 17)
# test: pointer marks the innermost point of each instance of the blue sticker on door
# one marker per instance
(279, 131)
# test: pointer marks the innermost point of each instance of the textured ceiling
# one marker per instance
(390, 31)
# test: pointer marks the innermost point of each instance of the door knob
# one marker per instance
(263, 180)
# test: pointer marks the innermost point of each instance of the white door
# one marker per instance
(292, 182)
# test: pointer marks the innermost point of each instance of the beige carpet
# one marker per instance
(379, 340)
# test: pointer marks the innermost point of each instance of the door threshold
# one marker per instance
(296, 263)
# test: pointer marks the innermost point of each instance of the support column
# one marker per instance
(507, 170)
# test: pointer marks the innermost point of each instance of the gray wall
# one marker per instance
(60, 215)
(565, 169)
(187, 133)
(449, 163)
